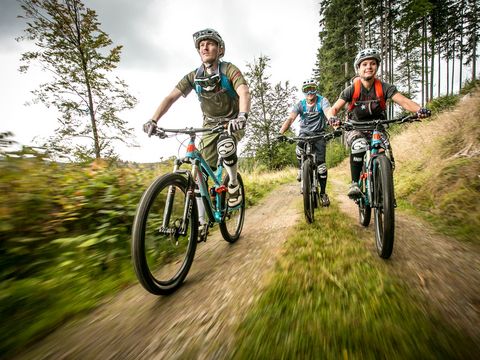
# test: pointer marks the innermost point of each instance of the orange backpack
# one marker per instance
(357, 85)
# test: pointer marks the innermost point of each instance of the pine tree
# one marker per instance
(269, 108)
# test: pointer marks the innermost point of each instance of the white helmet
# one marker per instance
(212, 35)
(369, 53)
(309, 84)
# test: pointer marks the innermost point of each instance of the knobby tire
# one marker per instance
(232, 225)
(384, 206)
(162, 259)
(308, 206)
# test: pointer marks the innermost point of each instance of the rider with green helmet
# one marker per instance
(312, 110)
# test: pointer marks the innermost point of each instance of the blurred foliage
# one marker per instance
(65, 235)
(64, 230)
(442, 103)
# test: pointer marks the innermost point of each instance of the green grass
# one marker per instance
(330, 297)
(258, 185)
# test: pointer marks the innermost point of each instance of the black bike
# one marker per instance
(376, 183)
(309, 171)
(166, 229)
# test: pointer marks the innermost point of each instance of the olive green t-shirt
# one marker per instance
(216, 103)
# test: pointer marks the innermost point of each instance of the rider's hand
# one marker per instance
(423, 113)
(238, 123)
(149, 127)
(334, 122)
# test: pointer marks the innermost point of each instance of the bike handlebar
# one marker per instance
(373, 124)
(327, 136)
(191, 130)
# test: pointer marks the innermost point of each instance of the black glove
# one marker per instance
(238, 123)
(334, 121)
(423, 113)
(280, 138)
(149, 127)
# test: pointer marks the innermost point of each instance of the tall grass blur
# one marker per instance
(438, 167)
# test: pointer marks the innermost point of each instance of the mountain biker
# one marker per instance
(313, 121)
(223, 94)
(367, 96)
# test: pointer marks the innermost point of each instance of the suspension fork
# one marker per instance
(170, 199)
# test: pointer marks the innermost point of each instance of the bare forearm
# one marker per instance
(334, 110)
(286, 124)
(406, 103)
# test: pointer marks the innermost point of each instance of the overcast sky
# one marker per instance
(158, 51)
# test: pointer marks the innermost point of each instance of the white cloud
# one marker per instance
(158, 51)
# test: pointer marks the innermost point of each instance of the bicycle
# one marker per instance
(376, 183)
(166, 229)
(309, 173)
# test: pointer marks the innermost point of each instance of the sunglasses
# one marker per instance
(208, 82)
(310, 90)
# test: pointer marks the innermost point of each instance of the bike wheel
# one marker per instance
(308, 207)
(161, 254)
(384, 206)
(232, 225)
(364, 209)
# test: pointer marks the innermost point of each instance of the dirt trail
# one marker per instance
(199, 319)
(444, 270)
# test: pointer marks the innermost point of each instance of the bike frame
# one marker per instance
(376, 147)
(307, 153)
(215, 212)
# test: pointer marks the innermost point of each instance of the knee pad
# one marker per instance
(227, 149)
(359, 145)
(322, 170)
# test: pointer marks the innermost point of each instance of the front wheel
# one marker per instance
(308, 203)
(383, 197)
(163, 246)
(232, 224)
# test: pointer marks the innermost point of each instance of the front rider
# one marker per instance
(312, 112)
(223, 94)
(369, 105)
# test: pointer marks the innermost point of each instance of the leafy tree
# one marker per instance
(79, 56)
(270, 107)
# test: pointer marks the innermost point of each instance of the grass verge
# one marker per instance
(330, 297)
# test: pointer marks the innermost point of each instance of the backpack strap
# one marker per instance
(379, 93)
(356, 93)
(198, 88)
(319, 104)
(224, 82)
